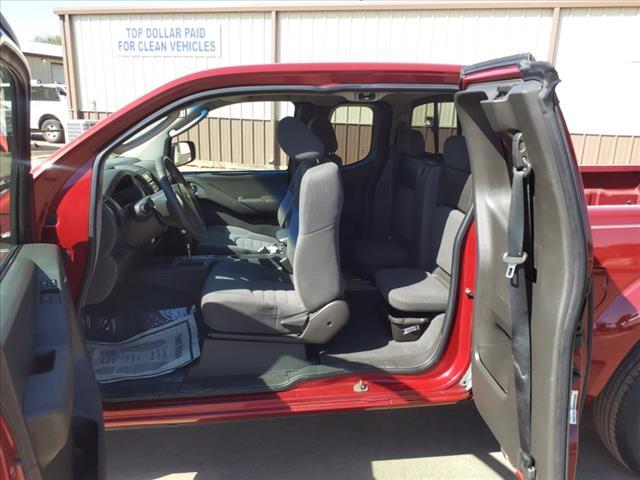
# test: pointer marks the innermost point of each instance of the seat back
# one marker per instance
(453, 202)
(412, 186)
(305, 149)
(322, 127)
(313, 245)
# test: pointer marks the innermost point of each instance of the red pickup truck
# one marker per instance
(135, 293)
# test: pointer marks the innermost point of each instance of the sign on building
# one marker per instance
(183, 39)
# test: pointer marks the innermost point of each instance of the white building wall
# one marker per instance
(431, 36)
(598, 60)
(108, 79)
(597, 54)
(44, 69)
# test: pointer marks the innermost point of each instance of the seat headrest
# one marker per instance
(455, 154)
(409, 141)
(298, 141)
(321, 126)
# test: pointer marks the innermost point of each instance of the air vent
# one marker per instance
(143, 182)
(113, 208)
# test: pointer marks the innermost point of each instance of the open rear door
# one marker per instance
(531, 306)
(50, 413)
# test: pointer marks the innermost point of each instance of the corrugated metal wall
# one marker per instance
(108, 80)
(446, 36)
(44, 69)
(224, 143)
(240, 136)
(596, 51)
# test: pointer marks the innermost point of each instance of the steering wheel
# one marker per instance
(181, 200)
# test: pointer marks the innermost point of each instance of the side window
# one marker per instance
(423, 119)
(241, 136)
(7, 154)
(353, 125)
(44, 94)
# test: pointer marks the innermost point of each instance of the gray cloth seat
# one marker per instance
(397, 230)
(256, 298)
(231, 240)
(247, 297)
(372, 254)
(425, 287)
(413, 290)
(321, 125)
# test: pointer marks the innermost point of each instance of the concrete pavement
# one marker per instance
(429, 443)
(40, 149)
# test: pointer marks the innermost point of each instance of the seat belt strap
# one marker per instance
(436, 128)
(515, 258)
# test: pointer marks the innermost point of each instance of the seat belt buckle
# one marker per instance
(512, 262)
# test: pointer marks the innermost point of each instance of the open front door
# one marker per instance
(50, 413)
(531, 306)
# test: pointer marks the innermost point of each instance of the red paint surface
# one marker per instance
(611, 185)
(10, 465)
(616, 240)
(490, 75)
(5, 211)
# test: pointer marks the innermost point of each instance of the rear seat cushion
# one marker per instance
(372, 254)
(427, 290)
(413, 290)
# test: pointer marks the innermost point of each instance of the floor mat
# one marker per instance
(168, 342)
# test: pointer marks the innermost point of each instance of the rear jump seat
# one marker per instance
(398, 225)
(417, 295)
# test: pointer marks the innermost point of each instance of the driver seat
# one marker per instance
(253, 298)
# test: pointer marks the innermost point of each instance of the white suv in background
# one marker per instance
(49, 111)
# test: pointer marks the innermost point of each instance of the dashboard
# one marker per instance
(128, 231)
